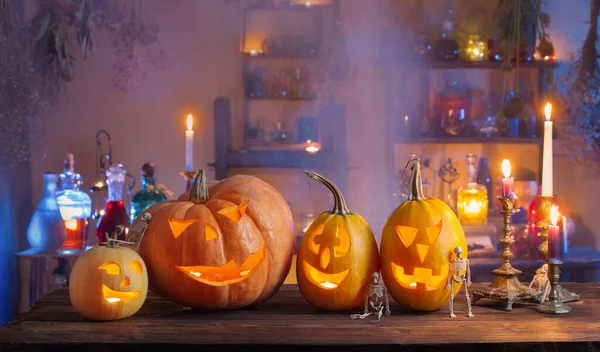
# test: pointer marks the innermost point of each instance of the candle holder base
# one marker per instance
(507, 288)
(189, 179)
(553, 307)
(564, 295)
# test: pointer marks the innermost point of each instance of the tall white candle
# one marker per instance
(547, 182)
(189, 145)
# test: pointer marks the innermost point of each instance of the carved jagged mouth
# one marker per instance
(113, 296)
(324, 280)
(421, 279)
(228, 273)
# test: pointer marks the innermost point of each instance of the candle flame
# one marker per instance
(506, 168)
(554, 215)
(548, 111)
(190, 122)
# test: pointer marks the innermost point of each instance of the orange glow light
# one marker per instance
(554, 214)
(190, 122)
(71, 224)
(506, 168)
(548, 111)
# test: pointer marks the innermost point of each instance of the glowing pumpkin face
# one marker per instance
(226, 251)
(108, 283)
(416, 248)
(336, 257)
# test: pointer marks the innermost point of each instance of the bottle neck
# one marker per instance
(115, 190)
(471, 174)
(148, 182)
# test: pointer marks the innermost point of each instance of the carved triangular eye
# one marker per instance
(433, 232)
(211, 232)
(179, 225)
(235, 212)
(407, 234)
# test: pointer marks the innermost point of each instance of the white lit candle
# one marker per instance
(547, 182)
(189, 145)
(508, 183)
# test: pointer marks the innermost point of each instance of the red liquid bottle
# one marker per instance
(115, 213)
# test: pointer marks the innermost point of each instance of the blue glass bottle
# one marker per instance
(75, 205)
(148, 195)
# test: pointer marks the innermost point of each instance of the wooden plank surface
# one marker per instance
(287, 320)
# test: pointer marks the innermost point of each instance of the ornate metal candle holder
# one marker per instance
(506, 286)
(544, 214)
(189, 179)
(554, 305)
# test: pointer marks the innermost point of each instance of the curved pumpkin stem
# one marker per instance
(199, 191)
(415, 190)
(339, 204)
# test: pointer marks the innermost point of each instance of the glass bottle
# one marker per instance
(75, 205)
(485, 178)
(115, 213)
(446, 49)
(452, 106)
(148, 195)
(472, 199)
(299, 86)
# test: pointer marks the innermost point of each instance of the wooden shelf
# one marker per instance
(279, 158)
(278, 57)
(298, 7)
(472, 140)
(486, 64)
(280, 98)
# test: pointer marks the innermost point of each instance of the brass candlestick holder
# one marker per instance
(554, 305)
(189, 179)
(506, 286)
(544, 213)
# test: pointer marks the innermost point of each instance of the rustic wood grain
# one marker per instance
(287, 321)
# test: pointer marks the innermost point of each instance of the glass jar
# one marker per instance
(473, 48)
(148, 195)
(452, 105)
(75, 205)
(472, 199)
(446, 49)
(114, 213)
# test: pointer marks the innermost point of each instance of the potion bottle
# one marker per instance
(472, 199)
(115, 213)
(148, 195)
(75, 205)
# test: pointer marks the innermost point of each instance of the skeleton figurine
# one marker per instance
(541, 282)
(136, 232)
(459, 267)
(375, 299)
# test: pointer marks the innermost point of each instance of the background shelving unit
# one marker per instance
(332, 158)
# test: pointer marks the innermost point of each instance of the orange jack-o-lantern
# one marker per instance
(226, 247)
(337, 256)
(416, 248)
(108, 282)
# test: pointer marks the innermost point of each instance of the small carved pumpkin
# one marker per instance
(226, 247)
(108, 282)
(337, 256)
(416, 247)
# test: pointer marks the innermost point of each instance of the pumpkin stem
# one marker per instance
(112, 239)
(415, 190)
(199, 191)
(339, 204)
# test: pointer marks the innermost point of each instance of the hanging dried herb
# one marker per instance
(19, 100)
(581, 124)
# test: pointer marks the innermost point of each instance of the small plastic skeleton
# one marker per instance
(376, 292)
(458, 266)
(541, 282)
(136, 232)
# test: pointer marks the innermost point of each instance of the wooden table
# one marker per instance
(287, 323)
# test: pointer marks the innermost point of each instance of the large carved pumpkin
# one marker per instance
(416, 248)
(337, 256)
(226, 247)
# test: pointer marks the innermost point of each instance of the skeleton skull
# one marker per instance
(458, 251)
(375, 278)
